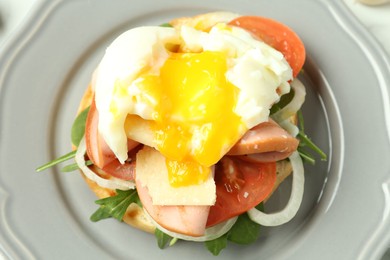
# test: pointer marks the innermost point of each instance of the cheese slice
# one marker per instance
(152, 173)
(138, 129)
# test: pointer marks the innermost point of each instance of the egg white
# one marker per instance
(255, 68)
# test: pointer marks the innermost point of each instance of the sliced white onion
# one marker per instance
(289, 127)
(285, 215)
(295, 104)
(112, 183)
(210, 233)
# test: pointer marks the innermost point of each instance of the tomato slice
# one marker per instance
(277, 35)
(240, 185)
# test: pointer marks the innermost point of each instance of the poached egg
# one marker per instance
(190, 92)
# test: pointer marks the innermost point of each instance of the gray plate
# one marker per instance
(45, 68)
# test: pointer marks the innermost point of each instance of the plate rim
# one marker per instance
(9, 51)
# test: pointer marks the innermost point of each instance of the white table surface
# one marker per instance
(375, 18)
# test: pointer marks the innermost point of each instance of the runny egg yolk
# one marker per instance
(195, 123)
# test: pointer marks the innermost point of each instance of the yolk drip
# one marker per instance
(195, 123)
(182, 173)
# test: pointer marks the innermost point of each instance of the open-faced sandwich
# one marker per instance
(187, 128)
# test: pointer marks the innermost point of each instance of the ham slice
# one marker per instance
(182, 210)
(266, 157)
(265, 142)
(97, 149)
(187, 220)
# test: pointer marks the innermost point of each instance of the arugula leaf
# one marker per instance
(284, 100)
(78, 127)
(163, 239)
(215, 246)
(165, 25)
(301, 121)
(306, 156)
(78, 130)
(305, 141)
(74, 166)
(309, 143)
(56, 161)
(260, 206)
(115, 206)
(244, 231)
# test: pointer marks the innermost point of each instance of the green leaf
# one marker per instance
(163, 239)
(215, 246)
(100, 214)
(78, 130)
(301, 121)
(244, 231)
(74, 166)
(78, 127)
(56, 161)
(165, 25)
(284, 100)
(307, 157)
(115, 206)
(309, 143)
(260, 206)
(306, 142)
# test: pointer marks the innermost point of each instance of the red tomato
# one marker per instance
(276, 35)
(241, 186)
